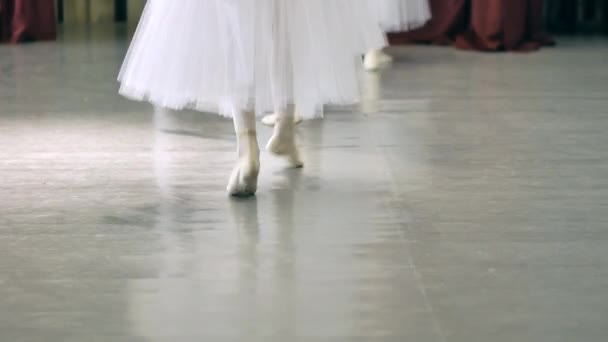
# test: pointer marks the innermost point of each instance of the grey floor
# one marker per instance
(466, 200)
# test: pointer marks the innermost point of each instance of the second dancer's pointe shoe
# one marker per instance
(376, 59)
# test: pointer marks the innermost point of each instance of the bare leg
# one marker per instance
(244, 178)
(283, 141)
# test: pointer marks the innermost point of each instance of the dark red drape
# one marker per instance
(27, 20)
(485, 25)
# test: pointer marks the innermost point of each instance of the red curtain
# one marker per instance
(27, 20)
(485, 25)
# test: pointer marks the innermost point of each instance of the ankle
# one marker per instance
(247, 143)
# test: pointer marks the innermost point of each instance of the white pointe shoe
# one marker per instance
(244, 178)
(283, 143)
(271, 119)
(374, 60)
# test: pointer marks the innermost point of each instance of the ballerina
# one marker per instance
(242, 58)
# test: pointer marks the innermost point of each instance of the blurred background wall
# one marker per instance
(576, 16)
(98, 11)
(453, 20)
(561, 16)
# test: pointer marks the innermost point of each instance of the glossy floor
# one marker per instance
(466, 200)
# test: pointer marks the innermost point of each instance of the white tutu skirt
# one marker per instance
(224, 56)
(401, 15)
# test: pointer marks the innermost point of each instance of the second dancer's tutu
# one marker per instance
(391, 16)
(395, 16)
(401, 15)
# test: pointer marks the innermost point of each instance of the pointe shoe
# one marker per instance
(374, 60)
(244, 178)
(271, 119)
(371, 63)
(283, 143)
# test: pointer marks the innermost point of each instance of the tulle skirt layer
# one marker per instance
(401, 15)
(260, 55)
